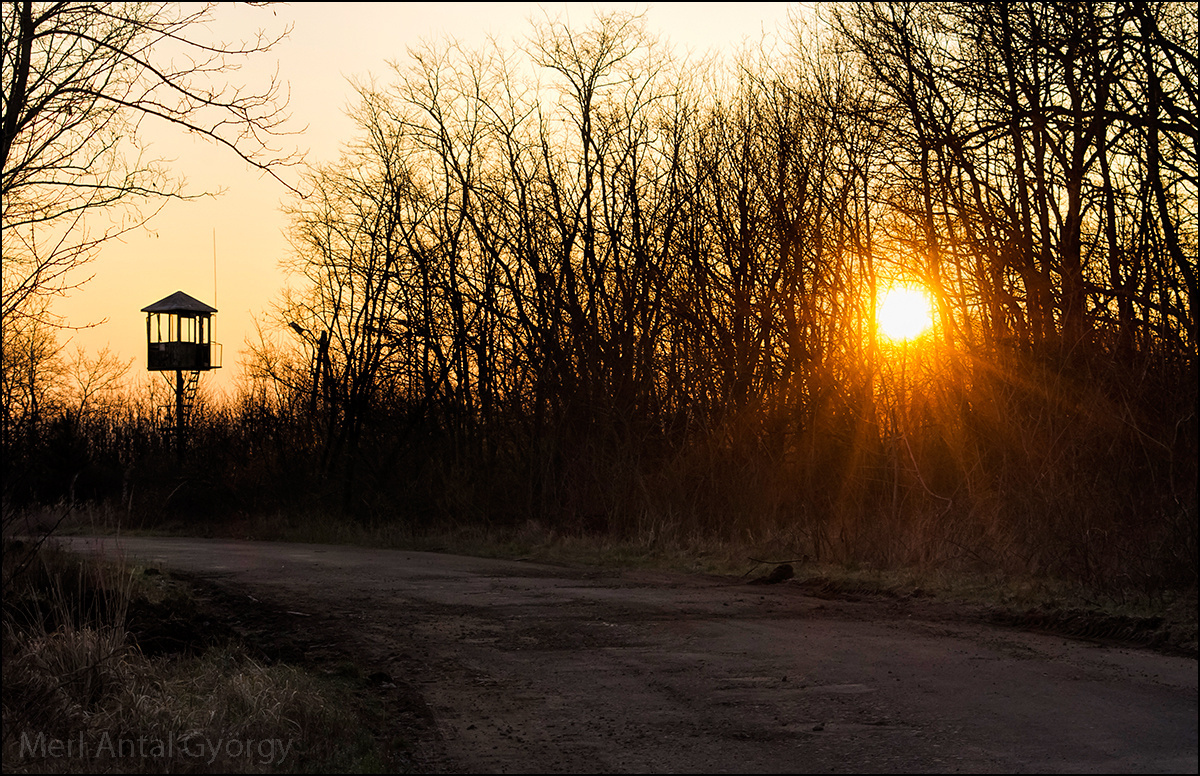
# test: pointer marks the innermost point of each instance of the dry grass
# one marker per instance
(672, 544)
(80, 697)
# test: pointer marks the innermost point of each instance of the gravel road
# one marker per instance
(528, 667)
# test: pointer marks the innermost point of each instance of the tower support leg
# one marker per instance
(179, 416)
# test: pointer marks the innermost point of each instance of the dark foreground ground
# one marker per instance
(509, 666)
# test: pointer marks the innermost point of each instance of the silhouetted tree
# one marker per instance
(79, 79)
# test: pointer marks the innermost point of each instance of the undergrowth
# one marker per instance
(81, 696)
(1005, 596)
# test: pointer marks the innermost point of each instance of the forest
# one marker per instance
(594, 286)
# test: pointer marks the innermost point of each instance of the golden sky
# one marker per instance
(329, 44)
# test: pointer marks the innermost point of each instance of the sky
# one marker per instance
(244, 228)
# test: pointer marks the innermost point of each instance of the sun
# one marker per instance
(904, 312)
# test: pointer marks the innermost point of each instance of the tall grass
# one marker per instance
(80, 697)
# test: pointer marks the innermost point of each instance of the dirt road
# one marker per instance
(531, 667)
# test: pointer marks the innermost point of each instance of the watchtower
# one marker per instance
(179, 339)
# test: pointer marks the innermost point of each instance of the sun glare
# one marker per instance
(904, 312)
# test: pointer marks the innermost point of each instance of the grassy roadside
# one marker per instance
(1166, 620)
(1119, 613)
(122, 669)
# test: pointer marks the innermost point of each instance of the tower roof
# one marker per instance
(179, 302)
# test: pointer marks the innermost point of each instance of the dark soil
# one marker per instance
(201, 615)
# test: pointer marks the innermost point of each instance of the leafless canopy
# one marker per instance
(79, 80)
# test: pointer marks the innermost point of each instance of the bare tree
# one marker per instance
(31, 366)
(79, 80)
(94, 383)
(1035, 141)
